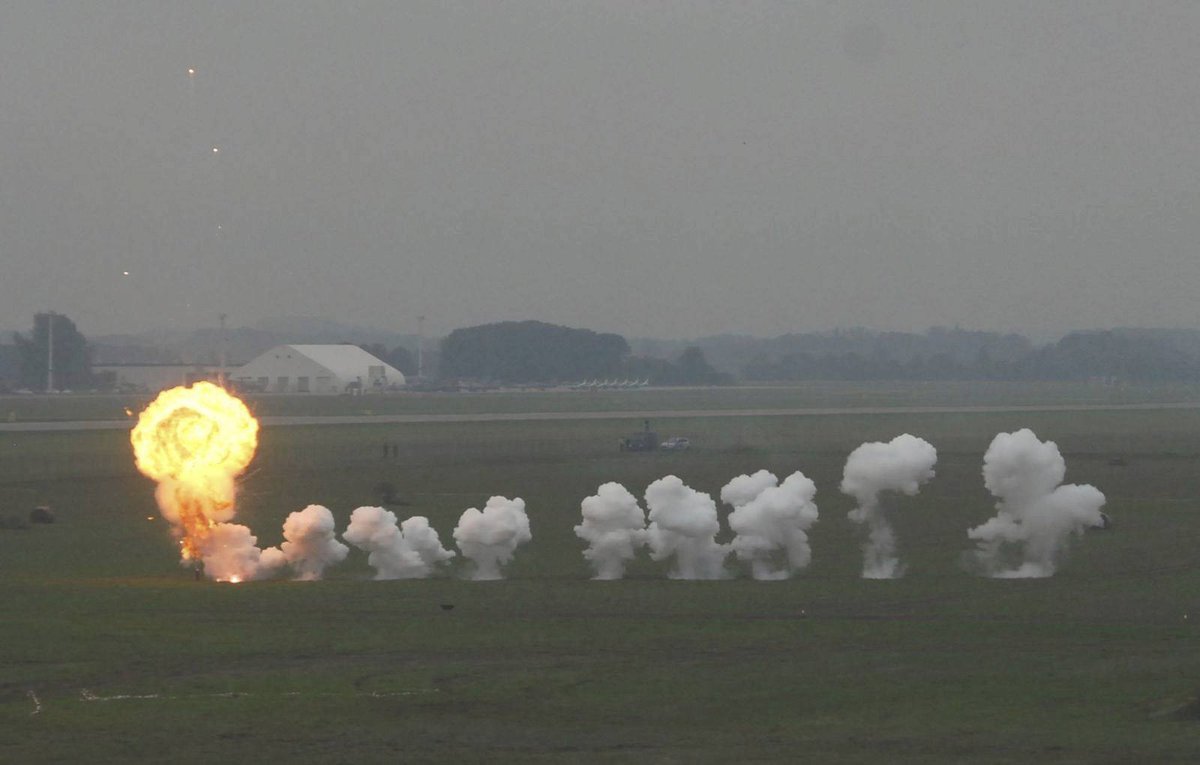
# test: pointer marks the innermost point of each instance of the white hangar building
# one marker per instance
(317, 369)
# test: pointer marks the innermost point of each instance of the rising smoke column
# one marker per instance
(195, 442)
(770, 522)
(310, 545)
(902, 465)
(1036, 516)
(489, 538)
(683, 524)
(614, 526)
(410, 550)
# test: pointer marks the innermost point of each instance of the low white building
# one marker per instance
(317, 369)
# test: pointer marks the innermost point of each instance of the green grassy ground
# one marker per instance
(1098, 664)
(802, 395)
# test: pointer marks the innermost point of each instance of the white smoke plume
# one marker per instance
(770, 522)
(614, 526)
(683, 524)
(230, 553)
(744, 488)
(310, 545)
(1036, 516)
(488, 538)
(411, 550)
(901, 465)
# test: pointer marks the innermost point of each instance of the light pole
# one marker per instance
(420, 347)
(50, 352)
(223, 341)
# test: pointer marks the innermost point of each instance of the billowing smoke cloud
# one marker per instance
(1036, 515)
(901, 465)
(614, 526)
(744, 488)
(489, 538)
(411, 550)
(230, 553)
(770, 522)
(683, 524)
(310, 545)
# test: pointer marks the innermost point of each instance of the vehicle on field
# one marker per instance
(645, 440)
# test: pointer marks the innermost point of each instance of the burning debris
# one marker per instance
(1036, 516)
(901, 465)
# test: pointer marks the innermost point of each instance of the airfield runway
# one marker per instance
(386, 419)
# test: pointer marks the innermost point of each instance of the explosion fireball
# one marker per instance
(195, 441)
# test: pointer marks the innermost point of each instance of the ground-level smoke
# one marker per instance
(310, 543)
(614, 526)
(230, 553)
(901, 465)
(683, 526)
(1036, 516)
(770, 522)
(489, 537)
(409, 550)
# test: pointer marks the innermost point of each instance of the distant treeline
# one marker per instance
(536, 352)
(532, 351)
(1130, 355)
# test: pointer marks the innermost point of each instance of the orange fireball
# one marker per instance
(195, 441)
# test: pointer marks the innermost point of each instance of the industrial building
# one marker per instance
(322, 369)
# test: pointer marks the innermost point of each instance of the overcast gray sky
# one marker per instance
(655, 169)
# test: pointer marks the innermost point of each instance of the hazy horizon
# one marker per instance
(675, 170)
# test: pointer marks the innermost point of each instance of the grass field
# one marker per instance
(1098, 664)
(27, 408)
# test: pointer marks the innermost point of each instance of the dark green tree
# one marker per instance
(403, 359)
(694, 369)
(72, 357)
(530, 351)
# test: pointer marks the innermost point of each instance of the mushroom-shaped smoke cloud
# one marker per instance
(310, 545)
(614, 526)
(902, 465)
(770, 522)
(1036, 516)
(488, 538)
(683, 523)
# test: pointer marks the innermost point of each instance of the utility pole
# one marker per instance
(50, 352)
(420, 347)
(224, 341)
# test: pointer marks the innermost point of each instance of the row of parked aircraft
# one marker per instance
(610, 384)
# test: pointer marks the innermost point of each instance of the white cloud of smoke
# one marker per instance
(310, 545)
(614, 526)
(488, 538)
(1036, 516)
(683, 524)
(230, 553)
(410, 550)
(770, 522)
(901, 465)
